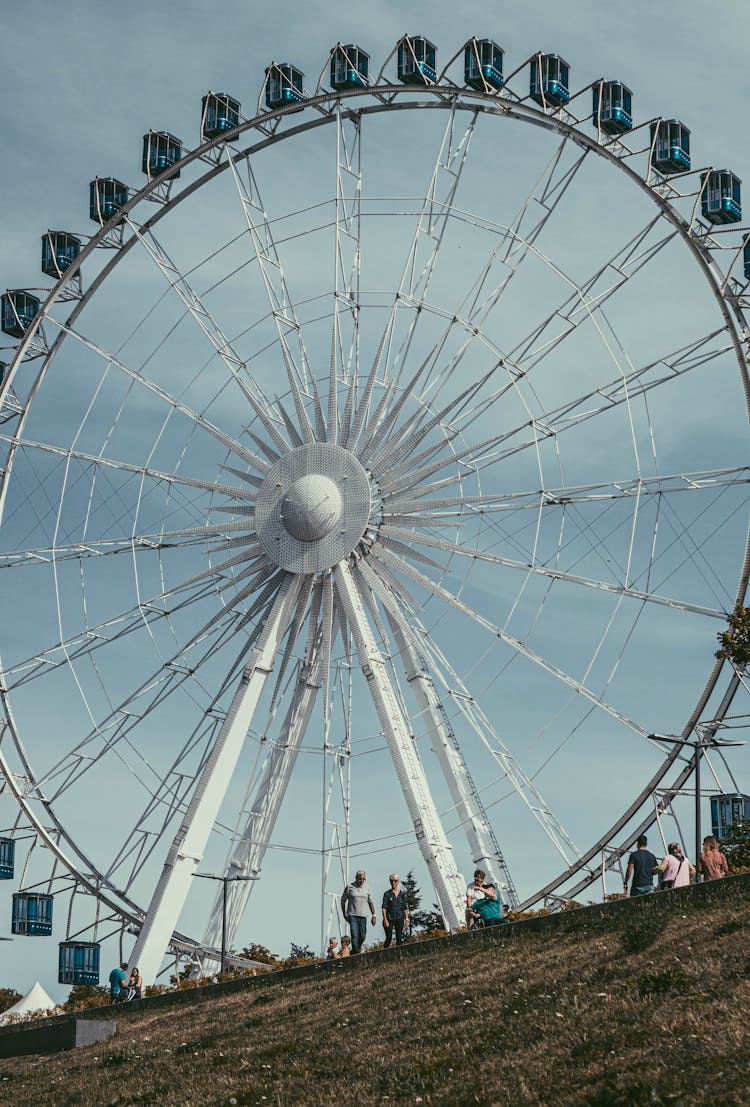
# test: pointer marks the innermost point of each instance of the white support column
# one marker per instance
(448, 883)
(484, 847)
(186, 851)
(250, 848)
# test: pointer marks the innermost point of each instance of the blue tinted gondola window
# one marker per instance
(483, 64)
(18, 310)
(550, 80)
(106, 197)
(283, 85)
(670, 146)
(32, 914)
(416, 60)
(160, 151)
(78, 963)
(728, 811)
(7, 845)
(721, 200)
(220, 113)
(350, 67)
(59, 251)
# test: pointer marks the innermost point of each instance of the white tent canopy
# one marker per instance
(35, 1002)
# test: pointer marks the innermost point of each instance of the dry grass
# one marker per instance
(637, 1011)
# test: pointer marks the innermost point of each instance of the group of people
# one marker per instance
(483, 908)
(120, 991)
(357, 907)
(674, 870)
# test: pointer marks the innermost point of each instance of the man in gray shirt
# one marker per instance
(356, 904)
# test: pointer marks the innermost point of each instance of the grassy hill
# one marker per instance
(648, 1006)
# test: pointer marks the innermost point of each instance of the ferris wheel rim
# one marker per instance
(442, 97)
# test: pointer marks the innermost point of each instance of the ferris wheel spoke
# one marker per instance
(399, 546)
(181, 538)
(517, 241)
(468, 706)
(198, 311)
(483, 844)
(205, 424)
(515, 245)
(143, 471)
(389, 561)
(550, 424)
(92, 638)
(586, 300)
(581, 305)
(115, 728)
(563, 495)
(280, 302)
(522, 784)
(626, 387)
(347, 260)
(416, 430)
(432, 221)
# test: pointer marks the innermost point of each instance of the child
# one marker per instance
(346, 946)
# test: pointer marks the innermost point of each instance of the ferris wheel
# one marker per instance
(374, 479)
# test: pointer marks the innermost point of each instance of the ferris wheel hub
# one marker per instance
(313, 507)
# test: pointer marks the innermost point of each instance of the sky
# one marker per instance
(82, 84)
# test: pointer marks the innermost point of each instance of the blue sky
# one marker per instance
(82, 83)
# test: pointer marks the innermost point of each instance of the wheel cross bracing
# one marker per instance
(337, 500)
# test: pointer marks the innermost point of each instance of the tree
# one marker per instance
(425, 922)
(736, 846)
(8, 996)
(256, 952)
(299, 955)
(413, 895)
(735, 641)
(86, 995)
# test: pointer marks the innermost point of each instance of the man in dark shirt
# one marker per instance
(641, 866)
(395, 912)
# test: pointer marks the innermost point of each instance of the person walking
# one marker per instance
(675, 869)
(395, 911)
(117, 983)
(641, 866)
(712, 863)
(356, 901)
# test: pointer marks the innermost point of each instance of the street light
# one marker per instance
(224, 880)
(700, 743)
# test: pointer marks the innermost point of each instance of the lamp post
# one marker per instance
(224, 881)
(699, 743)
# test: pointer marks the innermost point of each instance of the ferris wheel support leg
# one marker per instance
(485, 849)
(448, 883)
(186, 851)
(251, 847)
